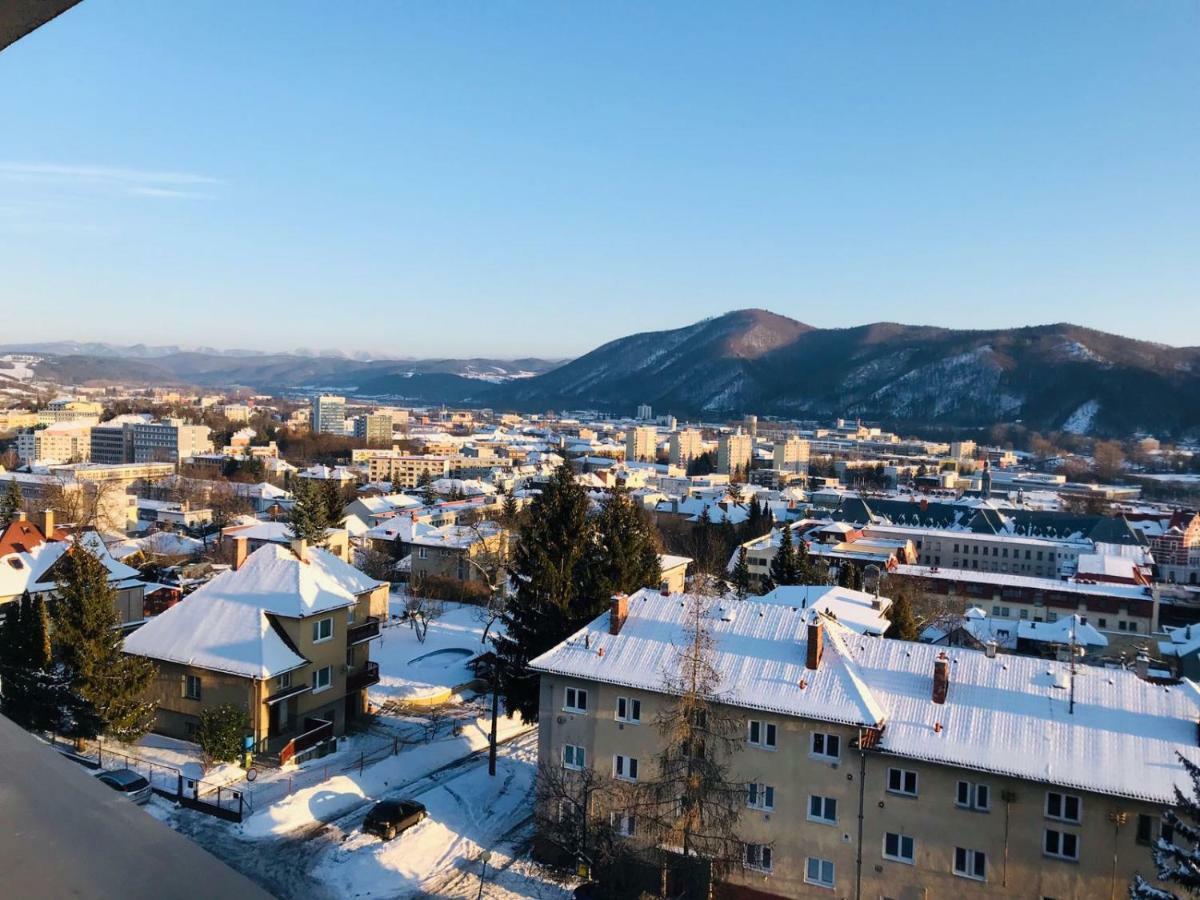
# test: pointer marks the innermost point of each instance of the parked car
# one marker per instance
(390, 817)
(129, 783)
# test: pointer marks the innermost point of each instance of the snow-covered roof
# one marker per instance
(859, 611)
(225, 625)
(29, 569)
(667, 561)
(1006, 714)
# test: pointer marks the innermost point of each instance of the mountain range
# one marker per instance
(1050, 377)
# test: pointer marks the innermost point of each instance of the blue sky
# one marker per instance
(527, 178)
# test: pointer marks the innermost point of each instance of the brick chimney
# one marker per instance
(241, 546)
(618, 613)
(941, 677)
(47, 523)
(815, 647)
(300, 548)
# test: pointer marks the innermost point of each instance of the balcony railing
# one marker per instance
(362, 678)
(363, 631)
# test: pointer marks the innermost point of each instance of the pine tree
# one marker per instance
(36, 694)
(331, 495)
(904, 625)
(308, 519)
(783, 563)
(509, 512)
(741, 575)
(10, 502)
(850, 576)
(1177, 861)
(550, 570)
(114, 686)
(428, 495)
(624, 556)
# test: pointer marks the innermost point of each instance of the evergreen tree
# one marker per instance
(783, 565)
(624, 556)
(10, 502)
(510, 513)
(850, 576)
(1177, 860)
(741, 575)
(904, 625)
(428, 495)
(114, 686)
(308, 519)
(331, 496)
(35, 692)
(550, 570)
(222, 732)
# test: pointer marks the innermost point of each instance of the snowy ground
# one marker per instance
(410, 670)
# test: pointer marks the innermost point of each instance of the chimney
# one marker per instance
(618, 613)
(941, 677)
(21, 517)
(47, 523)
(300, 548)
(241, 546)
(816, 645)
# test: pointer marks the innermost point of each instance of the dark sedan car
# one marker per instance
(390, 817)
(128, 782)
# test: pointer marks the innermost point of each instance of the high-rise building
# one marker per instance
(640, 443)
(328, 414)
(791, 455)
(374, 428)
(733, 453)
(168, 441)
(645, 412)
(685, 446)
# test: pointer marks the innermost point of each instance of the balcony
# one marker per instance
(363, 631)
(358, 679)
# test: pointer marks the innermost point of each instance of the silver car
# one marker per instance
(129, 783)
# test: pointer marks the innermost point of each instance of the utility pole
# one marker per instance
(495, 712)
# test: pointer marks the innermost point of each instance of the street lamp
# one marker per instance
(483, 857)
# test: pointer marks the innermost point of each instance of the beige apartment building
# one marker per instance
(284, 635)
(791, 455)
(877, 768)
(734, 452)
(641, 443)
(408, 470)
(685, 446)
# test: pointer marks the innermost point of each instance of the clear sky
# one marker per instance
(509, 178)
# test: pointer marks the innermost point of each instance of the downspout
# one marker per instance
(862, 779)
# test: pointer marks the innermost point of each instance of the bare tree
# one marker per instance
(421, 610)
(689, 809)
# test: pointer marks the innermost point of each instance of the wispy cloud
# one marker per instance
(140, 182)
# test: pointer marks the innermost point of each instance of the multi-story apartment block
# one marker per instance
(875, 767)
(328, 414)
(374, 428)
(285, 636)
(1007, 553)
(641, 443)
(64, 442)
(15, 419)
(1177, 550)
(791, 455)
(168, 441)
(734, 452)
(408, 470)
(685, 446)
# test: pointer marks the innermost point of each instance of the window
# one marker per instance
(576, 700)
(191, 687)
(422, 553)
(1146, 826)
(970, 863)
(1064, 807)
(322, 629)
(822, 809)
(819, 871)
(1061, 844)
(322, 678)
(902, 781)
(574, 757)
(826, 746)
(625, 768)
(758, 856)
(284, 680)
(761, 734)
(629, 710)
(760, 796)
(973, 796)
(898, 847)
(350, 615)
(623, 823)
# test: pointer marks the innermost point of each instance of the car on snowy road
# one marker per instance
(127, 782)
(390, 817)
